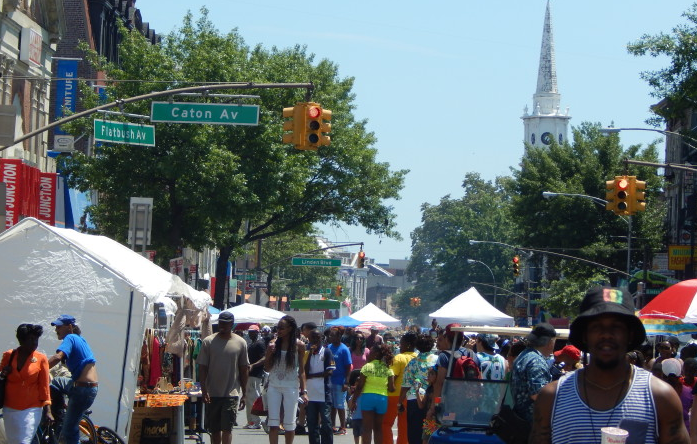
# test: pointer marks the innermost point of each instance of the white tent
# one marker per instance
(470, 308)
(47, 271)
(245, 313)
(372, 313)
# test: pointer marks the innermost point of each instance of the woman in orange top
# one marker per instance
(27, 387)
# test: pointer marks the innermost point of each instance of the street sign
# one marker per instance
(247, 277)
(211, 113)
(310, 262)
(256, 284)
(124, 132)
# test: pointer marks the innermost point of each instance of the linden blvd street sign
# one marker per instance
(124, 132)
(309, 262)
(211, 113)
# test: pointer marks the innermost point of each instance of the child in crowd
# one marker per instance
(425, 399)
(356, 417)
(375, 380)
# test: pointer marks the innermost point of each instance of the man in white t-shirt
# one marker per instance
(319, 366)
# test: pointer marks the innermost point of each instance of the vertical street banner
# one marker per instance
(47, 198)
(66, 98)
(11, 175)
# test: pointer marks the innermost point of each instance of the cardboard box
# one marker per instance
(153, 413)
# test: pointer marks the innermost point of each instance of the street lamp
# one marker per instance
(612, 130)
(493, 281)
(602, 203)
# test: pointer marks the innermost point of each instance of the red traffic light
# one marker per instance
(516, 259)
(622, 184)
(314, 112)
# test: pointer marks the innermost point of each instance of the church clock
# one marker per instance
(546, 138)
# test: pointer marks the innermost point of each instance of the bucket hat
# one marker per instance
(602, 300)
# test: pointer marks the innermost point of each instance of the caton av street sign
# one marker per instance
(211, 113)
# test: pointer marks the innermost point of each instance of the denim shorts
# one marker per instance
(338, 396)
(371, 402)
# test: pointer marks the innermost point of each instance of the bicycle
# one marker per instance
(47, 432)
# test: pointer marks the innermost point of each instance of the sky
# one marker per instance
(443, 85)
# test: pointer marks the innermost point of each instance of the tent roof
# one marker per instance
(470, 308)
(344, 321)
(372, 313)
(138, 272)
(254, 313)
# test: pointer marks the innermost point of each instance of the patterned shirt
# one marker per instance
(530, 374)
(416, 371)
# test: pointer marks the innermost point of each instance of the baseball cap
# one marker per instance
(543, 329)
(253, 327)
(64, 320)
(226, 316)
(489, 340)
(570, 351)
(602, 300)
(671, 367)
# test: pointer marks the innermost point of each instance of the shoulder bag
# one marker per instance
(3, 378)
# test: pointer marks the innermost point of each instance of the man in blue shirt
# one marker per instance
(530, 369)
(339, 379)
(81, 388)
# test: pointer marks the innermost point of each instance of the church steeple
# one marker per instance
(546, 120)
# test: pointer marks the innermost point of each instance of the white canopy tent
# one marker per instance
(470, 308)
(372, 313)
(245, 313)
(47, 271)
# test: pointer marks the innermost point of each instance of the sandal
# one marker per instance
(340, 431)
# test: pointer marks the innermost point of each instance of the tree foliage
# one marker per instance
(440, 246)
(677, 83)
(208, 179)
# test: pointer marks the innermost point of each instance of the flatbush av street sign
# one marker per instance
(124, 132)
(310, 262)
(211, 113)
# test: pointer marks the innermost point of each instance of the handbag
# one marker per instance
(3, 380)
(511, 428)
(258, 408)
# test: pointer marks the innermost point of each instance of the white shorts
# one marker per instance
(286, 396)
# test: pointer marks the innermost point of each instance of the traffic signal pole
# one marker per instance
(120, 102)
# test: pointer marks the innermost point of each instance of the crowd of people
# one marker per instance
(323, 382)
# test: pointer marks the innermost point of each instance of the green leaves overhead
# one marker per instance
(207, 179)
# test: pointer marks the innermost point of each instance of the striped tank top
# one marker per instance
(571, 417)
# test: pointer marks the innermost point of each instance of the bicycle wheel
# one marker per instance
(88, 434)
(107, 436)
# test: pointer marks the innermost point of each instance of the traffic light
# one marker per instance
(417, 302)
(617, 195)
(516, 266)
(296, 124)
(636, 195)
(316, 126)
(360, 263)
(339, 291)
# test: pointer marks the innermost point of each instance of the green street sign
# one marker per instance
(211, 113)
(124, 132)
(310, 262)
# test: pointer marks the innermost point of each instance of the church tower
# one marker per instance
(546, 122)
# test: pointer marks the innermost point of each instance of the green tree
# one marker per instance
(576, 226)
(208, 180)
(677, 83)
(440, 246)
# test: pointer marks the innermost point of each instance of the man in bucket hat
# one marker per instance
(609, 392)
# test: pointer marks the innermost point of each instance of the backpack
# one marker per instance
(464, 367)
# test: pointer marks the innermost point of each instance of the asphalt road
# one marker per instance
(243, 436)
